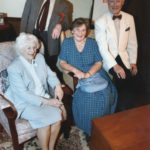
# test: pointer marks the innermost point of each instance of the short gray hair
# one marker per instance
(23, 40)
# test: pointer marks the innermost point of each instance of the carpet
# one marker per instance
(76, 141)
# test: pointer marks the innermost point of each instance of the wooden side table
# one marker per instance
(128, 130)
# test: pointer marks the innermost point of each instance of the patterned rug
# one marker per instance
(76, 141)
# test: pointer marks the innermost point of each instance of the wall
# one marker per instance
(81, 8)
(14, 8)
(99, 8)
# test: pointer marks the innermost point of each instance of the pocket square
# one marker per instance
(127, 29)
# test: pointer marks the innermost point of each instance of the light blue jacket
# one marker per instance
(21, 89)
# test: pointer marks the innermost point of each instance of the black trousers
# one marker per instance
(121, 83)
(124, 87)
(50, 60)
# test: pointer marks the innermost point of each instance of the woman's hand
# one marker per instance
(79, 74)
(64, 112)
(55, 102)
(87, 75)
(59, 92)
(52, 102)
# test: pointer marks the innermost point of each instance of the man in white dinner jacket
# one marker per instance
(116, 37)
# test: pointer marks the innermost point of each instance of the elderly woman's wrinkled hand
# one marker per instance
(55, 102)
(52, 102)
(64, 112)
(87, 75)
(79, 74)
(59, 92)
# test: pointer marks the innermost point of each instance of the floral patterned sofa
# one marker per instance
(18, 129)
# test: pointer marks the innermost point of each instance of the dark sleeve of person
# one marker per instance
(66, 15)
(25, 16)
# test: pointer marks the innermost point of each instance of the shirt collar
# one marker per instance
(33, 63)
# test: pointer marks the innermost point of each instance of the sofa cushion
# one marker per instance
(7, 54)
(4, 84)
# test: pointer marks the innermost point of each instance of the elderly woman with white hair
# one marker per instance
(29, 78)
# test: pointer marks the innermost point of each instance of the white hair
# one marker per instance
(23, 40)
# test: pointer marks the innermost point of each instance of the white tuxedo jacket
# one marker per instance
(109, 47)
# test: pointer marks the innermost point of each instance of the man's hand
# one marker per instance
(56, 31)
(119, 71)
(133, 69)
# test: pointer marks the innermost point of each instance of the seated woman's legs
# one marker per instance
(55, 128)
(43, 136)
(47, 136)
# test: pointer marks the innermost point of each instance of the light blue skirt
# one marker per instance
(41, 116)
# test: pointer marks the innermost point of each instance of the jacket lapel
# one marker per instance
(53, 17)
(111, 29)
(122, 31)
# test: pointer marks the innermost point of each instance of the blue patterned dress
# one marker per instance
(87, 106)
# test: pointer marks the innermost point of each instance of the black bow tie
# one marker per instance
(117, 17)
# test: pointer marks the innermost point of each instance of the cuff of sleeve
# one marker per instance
(108, 67)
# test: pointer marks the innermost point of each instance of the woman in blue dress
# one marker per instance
(80, 55)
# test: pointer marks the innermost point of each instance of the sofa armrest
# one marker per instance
(7, 107)
(75, 79)
(67, 90)
(8, 116)
(6, 103)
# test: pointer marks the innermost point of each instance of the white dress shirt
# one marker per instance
(51, 7)
(39, 90)
(117, 26)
